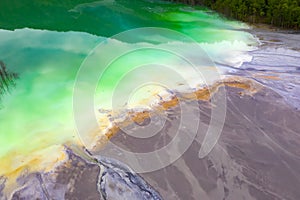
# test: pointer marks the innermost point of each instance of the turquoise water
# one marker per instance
(46, 42)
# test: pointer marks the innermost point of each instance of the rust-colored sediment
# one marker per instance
(204, 94)
(270, 77)
(248, 86)
(112, 131)
(170, 103)
(139, 117)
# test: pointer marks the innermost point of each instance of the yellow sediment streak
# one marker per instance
(14, 164)
(270, 77)
(249, 86)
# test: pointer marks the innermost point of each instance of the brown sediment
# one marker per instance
(274, 40)
(270, 77)
(139, 117)
(112, 131)
(248, 86)
(170, 103)
(205, 94)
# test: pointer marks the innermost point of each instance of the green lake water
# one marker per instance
(46, 42)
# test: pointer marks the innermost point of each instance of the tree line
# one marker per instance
(280, 13)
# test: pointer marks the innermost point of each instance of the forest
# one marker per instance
(279, 13)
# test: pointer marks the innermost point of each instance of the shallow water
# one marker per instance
(76, 66)
(276, 63)
(48, 47)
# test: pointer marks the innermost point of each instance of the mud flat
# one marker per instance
(256, 156)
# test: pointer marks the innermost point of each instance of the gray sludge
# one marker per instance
(117, 181)
(87, 178)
